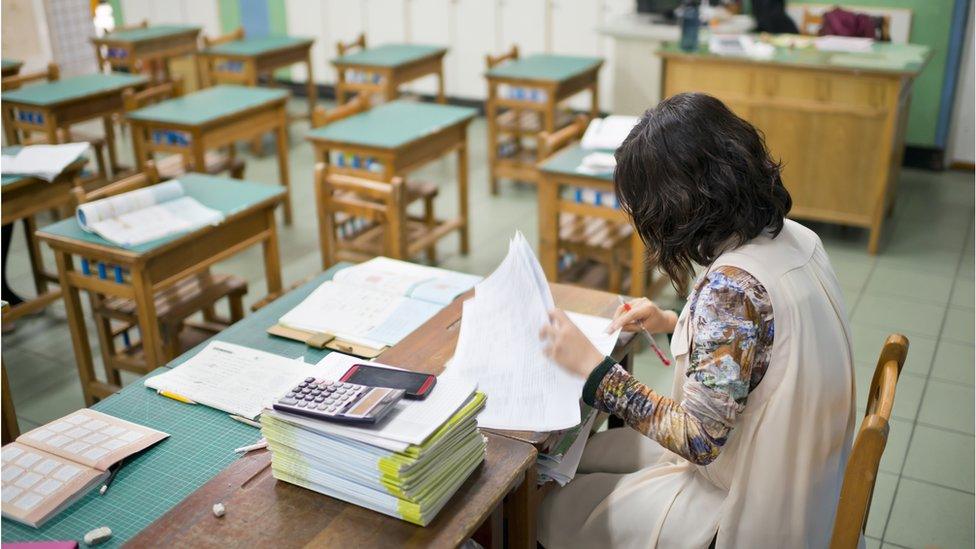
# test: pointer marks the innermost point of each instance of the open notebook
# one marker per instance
(49, 468)
(373, 305)
(146, 214)
(45, 162)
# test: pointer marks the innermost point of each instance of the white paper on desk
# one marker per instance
(411, 422)
(42, 161)
(232, 378)
(608, 133)
(406, 279)
(499, 348)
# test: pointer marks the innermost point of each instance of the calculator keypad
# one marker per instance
(327, 399)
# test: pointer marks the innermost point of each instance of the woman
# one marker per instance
(749, 449)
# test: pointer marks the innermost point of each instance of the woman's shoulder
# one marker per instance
(728, 284)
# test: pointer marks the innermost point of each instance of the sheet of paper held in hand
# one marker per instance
(232, 378)
(499, 348)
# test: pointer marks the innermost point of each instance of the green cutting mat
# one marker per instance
(200, 444)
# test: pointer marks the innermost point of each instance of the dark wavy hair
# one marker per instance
(697, 180)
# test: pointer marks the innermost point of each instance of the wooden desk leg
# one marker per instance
(521, 510)
(463, 195)
(76, 324)
(389, 87)
(11, 429)
(440, 84)
(549, 227)
(272, 259)
(340, 86)
(282, 133)
(9, 132)
(595, 100)
(145, 299)
(113, 161)
(34, 253)
(491, 113)
(312, 89)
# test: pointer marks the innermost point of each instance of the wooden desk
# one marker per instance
(21, 198)
(57, 105)
(388, 66)
(400, 136)
(10, 67)
(243, 61)
(150, 48)
(836, 120)
(558, 178)
(210, 119)
(536, 84)
(249, 210)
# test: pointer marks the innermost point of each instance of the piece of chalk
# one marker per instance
(98, 535)
(219, 510)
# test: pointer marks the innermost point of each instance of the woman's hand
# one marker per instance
(567, 346)
(643, 314)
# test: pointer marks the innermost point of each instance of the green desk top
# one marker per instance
(74, 88)
(200, 445)
(545, 67)
(393, 124)
(388, 55)
(257, 46)
(567, 160)
(8, 179)
(149, 33)
(883, 58)
(202, 107)
(226, 195)
(10, 63)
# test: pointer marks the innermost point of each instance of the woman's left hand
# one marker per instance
(568, 346)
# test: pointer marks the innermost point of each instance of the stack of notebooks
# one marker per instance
(408, 466)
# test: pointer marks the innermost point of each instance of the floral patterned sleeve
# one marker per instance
(732, 323)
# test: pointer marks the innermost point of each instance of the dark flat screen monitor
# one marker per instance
(658, 7)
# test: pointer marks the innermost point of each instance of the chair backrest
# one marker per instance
(322, 117)
(552, 142)
(149, 176)
(493, 60)
(236, 34)
(869, 444)
(343, 48)
(133, 100)
(50, 74)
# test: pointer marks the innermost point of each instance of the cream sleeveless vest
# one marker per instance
(778, 478)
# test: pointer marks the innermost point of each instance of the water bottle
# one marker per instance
(689, 26)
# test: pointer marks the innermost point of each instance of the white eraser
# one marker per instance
(98, 535)
(219, 510)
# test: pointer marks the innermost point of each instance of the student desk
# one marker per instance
(131, 50)
(10, 67)
(57, 105)
(400, 136)
(22, 197)
(242, 61)
(388, 66)
(836, 120)
(249, 210)
(213, 118)
(535, 84)
(558, 178)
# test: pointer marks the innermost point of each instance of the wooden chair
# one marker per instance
(869, 444)
(176, 165)
(603, 238)
(344, 48)
(228, 73)
(197, 293)
(65, 135)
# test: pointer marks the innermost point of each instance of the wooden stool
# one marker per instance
(174, 305)
(869, 444)
(178, 164)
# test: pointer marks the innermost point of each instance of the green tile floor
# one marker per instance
(921, 284)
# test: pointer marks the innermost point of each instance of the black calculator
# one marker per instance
(339, 401)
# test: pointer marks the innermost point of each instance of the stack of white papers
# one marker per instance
(147, 214)
(851, 44)
(379, 302)
(562, 460)
(235, 379)
(608, 133)
(407, 466)
(499, 348)
(42, 161)
(597, 163)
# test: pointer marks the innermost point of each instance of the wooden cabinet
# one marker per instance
(839, 132)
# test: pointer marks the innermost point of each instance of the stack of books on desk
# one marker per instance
(375, 467)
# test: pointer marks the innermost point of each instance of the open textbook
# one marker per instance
(146, 214)
(608, 133)
(499, 348)
(41, 161)
(50, 467)
(377, 303)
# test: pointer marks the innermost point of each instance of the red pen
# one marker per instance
(650, 339)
